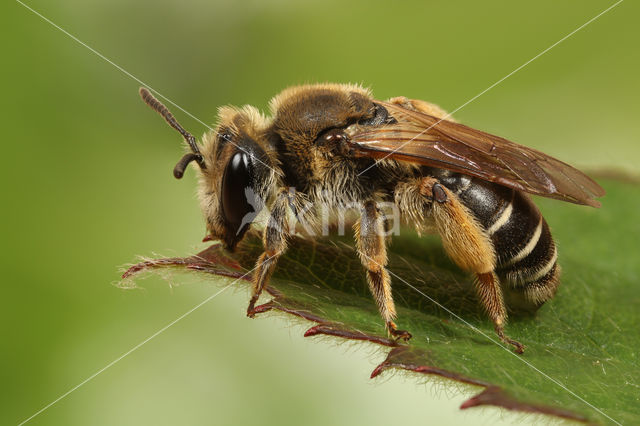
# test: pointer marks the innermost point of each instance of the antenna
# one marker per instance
(195, 155)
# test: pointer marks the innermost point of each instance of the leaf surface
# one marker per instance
(581, 360)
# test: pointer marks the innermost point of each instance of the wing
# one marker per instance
(420, 138)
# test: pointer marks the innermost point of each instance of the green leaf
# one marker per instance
(581, 360)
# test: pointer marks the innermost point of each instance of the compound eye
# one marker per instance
(236, 191)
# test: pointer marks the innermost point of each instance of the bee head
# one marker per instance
(236, 187)
(236, 173)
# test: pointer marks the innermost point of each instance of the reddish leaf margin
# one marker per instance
(215, 260)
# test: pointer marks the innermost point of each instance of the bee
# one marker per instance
(336, 145)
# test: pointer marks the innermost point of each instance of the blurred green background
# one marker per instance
(87, 187)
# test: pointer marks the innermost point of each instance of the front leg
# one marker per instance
(372, 250)
(274, 240)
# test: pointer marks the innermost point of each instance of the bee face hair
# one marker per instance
(234, 191)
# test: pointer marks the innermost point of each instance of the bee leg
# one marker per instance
(372, 250)
(470, 247)
(274, 239)
(490, 294)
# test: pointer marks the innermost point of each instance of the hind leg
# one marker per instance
(490, 295)
(470, 247)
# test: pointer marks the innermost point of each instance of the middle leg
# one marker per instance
(370, 242)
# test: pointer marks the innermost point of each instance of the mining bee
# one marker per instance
(336, 145)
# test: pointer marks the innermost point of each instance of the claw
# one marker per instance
(398, 334)
(518, 347)
(401, 334)
(251, 310)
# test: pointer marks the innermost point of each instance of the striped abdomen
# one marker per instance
(526, 253)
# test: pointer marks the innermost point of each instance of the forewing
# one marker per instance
(424, 139)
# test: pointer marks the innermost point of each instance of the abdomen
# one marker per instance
(526, 253)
